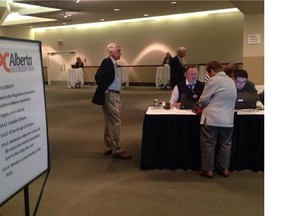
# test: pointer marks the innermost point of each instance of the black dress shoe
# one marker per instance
(108, 152)
(207, 174)
(122, 155)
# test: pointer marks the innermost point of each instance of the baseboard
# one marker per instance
(93, 83)
(130, 83)
(141, 84)
(89, 83)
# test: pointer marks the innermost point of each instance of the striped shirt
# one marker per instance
(206, 78)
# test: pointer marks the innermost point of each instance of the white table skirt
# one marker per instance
(162, 76)
(123, 72)
(74, 76)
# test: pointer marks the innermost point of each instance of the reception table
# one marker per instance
(123, 72)
(75, 77)
(162, 76)
(171, 140)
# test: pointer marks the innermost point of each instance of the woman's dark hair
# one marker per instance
(230, 69)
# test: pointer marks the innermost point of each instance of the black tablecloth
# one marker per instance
(248, 143)
(173, 142)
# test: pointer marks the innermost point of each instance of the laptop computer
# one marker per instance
(189, 101)
(246, 100)
(74, 66)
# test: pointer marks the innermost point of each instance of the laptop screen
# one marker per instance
(246, 100)
(189, 101)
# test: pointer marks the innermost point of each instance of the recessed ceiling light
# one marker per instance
(146, 15)
(173, 2)
(102, 20)
(116, 9)
(156, 18)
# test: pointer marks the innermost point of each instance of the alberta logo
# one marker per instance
(12, 62)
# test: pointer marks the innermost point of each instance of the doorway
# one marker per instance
(58, 62)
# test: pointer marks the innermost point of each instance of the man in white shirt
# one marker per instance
(189, 86)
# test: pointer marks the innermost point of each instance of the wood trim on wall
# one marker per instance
(97, 66)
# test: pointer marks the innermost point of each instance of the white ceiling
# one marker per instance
(89, 11)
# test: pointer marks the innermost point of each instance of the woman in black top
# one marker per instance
(79, 62)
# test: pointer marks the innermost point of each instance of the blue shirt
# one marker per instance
(116, 84)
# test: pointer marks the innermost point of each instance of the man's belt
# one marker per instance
(114, 91)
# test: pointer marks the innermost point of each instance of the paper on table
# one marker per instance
(172, 111)
(250, 112)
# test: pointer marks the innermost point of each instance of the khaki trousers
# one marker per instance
(111, 111)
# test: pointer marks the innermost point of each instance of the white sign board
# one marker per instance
(254, 39)
(23, 126)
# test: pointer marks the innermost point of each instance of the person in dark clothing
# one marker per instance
(107, 95)
(242, 82)
(177, 68)
(167, 59)
(189, 86)
(79, 63)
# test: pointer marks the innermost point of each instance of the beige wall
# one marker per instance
(13, 32)
(222, 37)
(253, 54)
(212, 37)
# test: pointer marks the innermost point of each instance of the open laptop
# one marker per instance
(189, 101)
(74, 66)
(246, 100)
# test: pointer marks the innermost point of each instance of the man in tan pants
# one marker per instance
(108, 95)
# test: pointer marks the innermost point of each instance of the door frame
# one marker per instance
(48, 53)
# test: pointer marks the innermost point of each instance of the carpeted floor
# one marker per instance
(84, 182)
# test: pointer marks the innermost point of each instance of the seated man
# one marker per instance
(242, 82)
(189, 86)
(244, 85)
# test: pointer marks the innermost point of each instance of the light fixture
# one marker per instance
(15, 18)
(116, 9)
(66, 15)
(77, 1)
(146, 15)
(102, 20)
(156, 18)
(173, 2)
